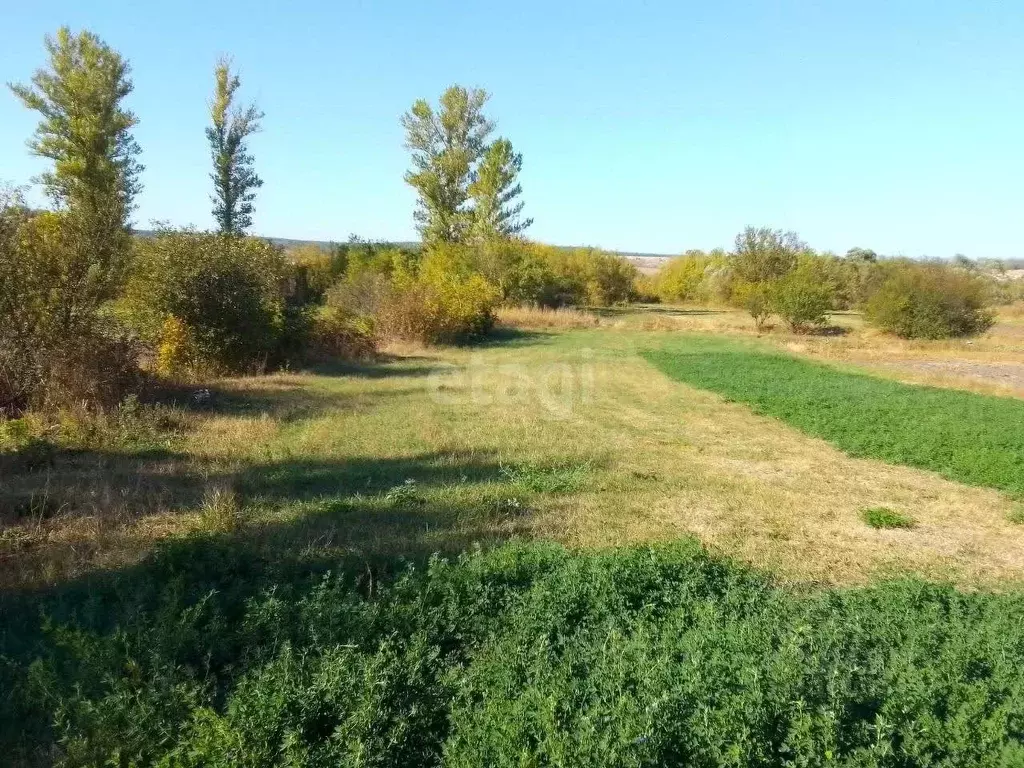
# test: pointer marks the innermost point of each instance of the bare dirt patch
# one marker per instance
(1005, 374)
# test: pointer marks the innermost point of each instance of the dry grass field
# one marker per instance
(563, 433)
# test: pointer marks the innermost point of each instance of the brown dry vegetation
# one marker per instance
(545, 317)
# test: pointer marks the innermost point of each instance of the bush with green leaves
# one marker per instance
(57, 348)
(763, 255)
(335, 334)
(226, 291)
(930, 301)
(804, 296)
(519, 271)
(591, 276)
(208, 654)
(445, 301)
(755, 298)
(685, 278)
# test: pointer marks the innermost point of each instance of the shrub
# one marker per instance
(930, 301)
(610, 278)
(520, 272)
(334, 335)
(588, 276)
(682, 279)
(883, 517)
(433, 311)
(360, 294)
(445, 301)
(755, 298)
(312, 271)
(56, 347)
(764, 255)
(360, 257)
(224, 293)
(176, 351)
(804, 297)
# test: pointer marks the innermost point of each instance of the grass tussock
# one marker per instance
(535, 479)
(531, 317)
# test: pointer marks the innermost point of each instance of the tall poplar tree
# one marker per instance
(86, 131)
(494, 191)
(446, 145)
(234, 180)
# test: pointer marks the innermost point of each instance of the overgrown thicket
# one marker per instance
(207, 655)
(773, 273)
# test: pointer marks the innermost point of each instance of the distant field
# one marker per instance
(966, 437)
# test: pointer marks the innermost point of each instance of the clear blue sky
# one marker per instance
(648, 126)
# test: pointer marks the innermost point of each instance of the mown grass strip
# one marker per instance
(970, 438)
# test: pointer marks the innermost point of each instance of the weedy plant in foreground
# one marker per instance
(210, 655)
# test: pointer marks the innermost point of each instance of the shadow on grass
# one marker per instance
(508, 336)
(367, 518)
(387, 367)
(828, 330)
(287, 401)
(304, 479)
(100, 483)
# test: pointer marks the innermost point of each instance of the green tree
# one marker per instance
(862, 254)
(763, 255)
(930, 301)
(234, 180)
(446, 145)
(64, 265)
(86, 132)
(494, 191)
(805, 296)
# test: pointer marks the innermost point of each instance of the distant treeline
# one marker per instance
(774, 273)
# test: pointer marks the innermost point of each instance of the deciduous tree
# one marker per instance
(495, 191)
(234, 180)
(86, 131)
(446, 145)
(763, 255)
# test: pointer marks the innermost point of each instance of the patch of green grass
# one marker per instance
(1016, 515)
(209, 653)
(883, 517)
(973, 439)
(531, 478)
